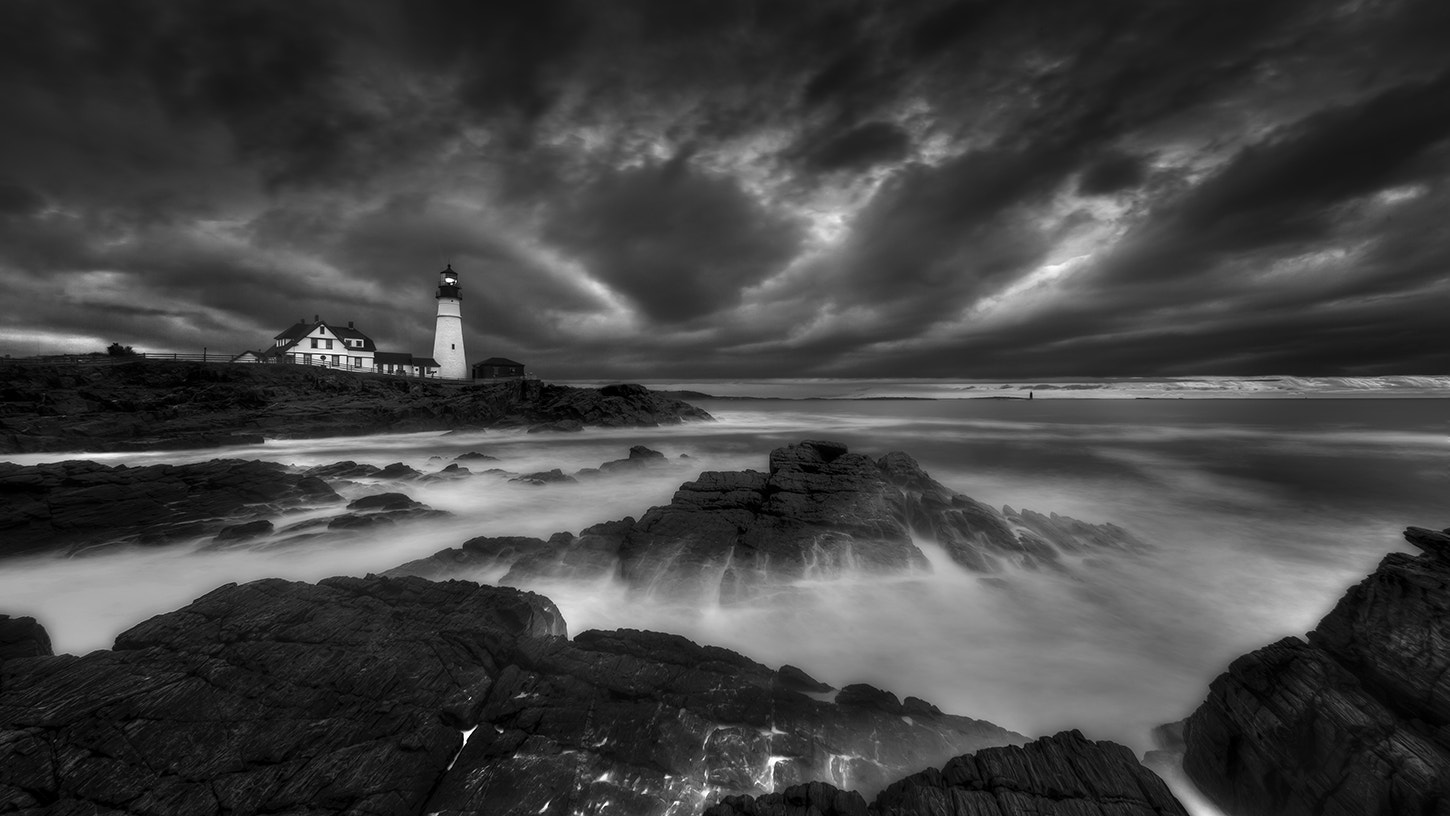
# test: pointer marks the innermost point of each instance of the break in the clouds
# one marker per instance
(679, 188)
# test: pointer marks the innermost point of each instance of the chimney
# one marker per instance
(316, 319)
(349, 324)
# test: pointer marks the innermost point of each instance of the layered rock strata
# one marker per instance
(72, 506)
(1353, 720)
(818, 511)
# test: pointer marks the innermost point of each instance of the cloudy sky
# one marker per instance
(673, 188)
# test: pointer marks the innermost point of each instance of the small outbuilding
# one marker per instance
(498, 368)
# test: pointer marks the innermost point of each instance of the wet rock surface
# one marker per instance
(68, 507)
(78, 507)
(1353, 720)
(1063, 775)
(22, 637)
(818, 511)
(344, 696)
(172, 405)
(355, 696)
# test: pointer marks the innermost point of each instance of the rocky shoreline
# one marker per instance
(417, 693)
(1354, 719)
(407, 696)
(151, 405)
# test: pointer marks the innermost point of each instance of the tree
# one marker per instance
(117, 350)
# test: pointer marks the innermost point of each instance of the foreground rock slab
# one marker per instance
(75, 505)
(1355, 720)
(818, 511)
(405, 696)
(345, 696)
(1062, 775)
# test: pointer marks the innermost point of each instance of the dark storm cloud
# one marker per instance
(1112, 173)
(856, 183)
(680, 243)
(858, 148)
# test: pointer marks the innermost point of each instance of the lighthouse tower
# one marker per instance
(448, 332)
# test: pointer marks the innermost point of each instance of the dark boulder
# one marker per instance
(385, 501)
(1355, 720)
(22, 637)
(398, 471)
(474, 456)
(639, 457)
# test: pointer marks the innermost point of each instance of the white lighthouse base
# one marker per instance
(448, 341)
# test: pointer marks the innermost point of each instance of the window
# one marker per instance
(314, 342)
(328, 343)
(450, 345)
(336, 360)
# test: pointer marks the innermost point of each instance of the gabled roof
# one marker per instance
(349, 333)
(296, 331)
(426, 362)
(499, 361)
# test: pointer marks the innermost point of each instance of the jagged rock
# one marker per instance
(820, 510)
(22, 637)
(353, 696)
(1354, 721)
(473, 456)
(344, 696)
(639, 457)
(151, 404)
(1061, 775)
(797, 680)
(544, 477)
(398, 471)
(76, 505)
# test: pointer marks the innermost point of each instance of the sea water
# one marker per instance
(1260, 514)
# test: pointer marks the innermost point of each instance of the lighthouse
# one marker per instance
(448, 331)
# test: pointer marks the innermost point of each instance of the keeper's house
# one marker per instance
(498, 368)
(319, 343)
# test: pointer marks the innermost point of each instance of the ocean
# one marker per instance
(1260, 513)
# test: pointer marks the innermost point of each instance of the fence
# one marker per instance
(107, 359)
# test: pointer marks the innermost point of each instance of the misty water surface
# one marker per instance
(1261, 514)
